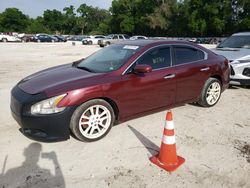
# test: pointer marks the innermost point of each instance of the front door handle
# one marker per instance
(169, 76)
(204, 69)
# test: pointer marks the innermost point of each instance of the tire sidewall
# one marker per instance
(74, 123)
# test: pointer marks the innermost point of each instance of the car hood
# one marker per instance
(57, 80)
(232, 53)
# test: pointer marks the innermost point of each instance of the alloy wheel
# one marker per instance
(213, 93)
(95, 121)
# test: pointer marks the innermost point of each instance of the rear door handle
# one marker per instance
(169, 76)
(205, 69)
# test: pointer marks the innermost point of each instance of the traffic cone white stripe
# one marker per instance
(169, 125)
(168, 139)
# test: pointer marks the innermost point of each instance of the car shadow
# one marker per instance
(148, 144)
(30, 174)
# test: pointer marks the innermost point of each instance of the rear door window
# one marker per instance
(183, 54)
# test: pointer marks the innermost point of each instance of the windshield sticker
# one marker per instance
(129, 47)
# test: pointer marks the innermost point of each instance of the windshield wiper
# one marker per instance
(227, 49)
(85, 68)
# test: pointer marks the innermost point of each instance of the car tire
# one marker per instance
(107, 43)
(92, 120)
(211, 93)
(90, 42)
(4, 40)
(101, 45)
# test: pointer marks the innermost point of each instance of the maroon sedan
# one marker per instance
(115, 84)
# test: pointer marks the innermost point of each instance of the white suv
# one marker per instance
(8, 38)
(237, 50)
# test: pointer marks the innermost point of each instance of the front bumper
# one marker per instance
(244, 82)
(47, 128)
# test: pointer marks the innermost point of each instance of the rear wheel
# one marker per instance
(107, 43)
(90, 42)
(4, 40)
(211, 93)
(92, 120)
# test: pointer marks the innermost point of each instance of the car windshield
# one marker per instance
(236, 42)
(126, 36)
(109, 59)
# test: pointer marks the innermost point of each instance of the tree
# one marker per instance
(69, 21)
(37, 26)
(53, 20)
(13, 20)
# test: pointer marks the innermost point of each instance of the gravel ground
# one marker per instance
(214, 141)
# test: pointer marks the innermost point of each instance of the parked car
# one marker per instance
(26, 37)
(237, 49)
(44, 38)
(60, 38)
(112, 39)
(77, 37)
(93, 39)
(8, 38)
(117, 83)
(138, 37)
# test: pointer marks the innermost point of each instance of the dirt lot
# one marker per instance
(214, 141)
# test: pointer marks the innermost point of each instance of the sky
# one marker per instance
(34, 8)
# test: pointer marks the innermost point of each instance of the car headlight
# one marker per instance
(48, 106)
(245, 59)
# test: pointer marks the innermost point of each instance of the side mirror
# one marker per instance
(75, 63)
(142, 68)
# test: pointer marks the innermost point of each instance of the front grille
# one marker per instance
(232, 70)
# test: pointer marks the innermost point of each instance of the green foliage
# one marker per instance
(138, 17)
(37, 26)
(13, 19)
(53, 20)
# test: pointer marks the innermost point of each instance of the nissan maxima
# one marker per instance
(120, 82)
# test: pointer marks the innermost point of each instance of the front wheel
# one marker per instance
(211, 93)
(92, 120)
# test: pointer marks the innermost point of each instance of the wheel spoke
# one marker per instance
(92, 130)
(97, 110)
(87, 129)
(98, 128)
(92, 111)
(101, 124)
(85, 117)
(85, 123)
(103, 113)
(104, 118)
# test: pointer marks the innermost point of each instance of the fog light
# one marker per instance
(246, 72)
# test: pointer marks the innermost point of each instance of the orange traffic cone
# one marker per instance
(167, 157)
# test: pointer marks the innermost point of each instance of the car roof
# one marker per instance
(242, 34)
(153, 42)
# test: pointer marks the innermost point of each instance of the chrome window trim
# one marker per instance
(171, 58)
